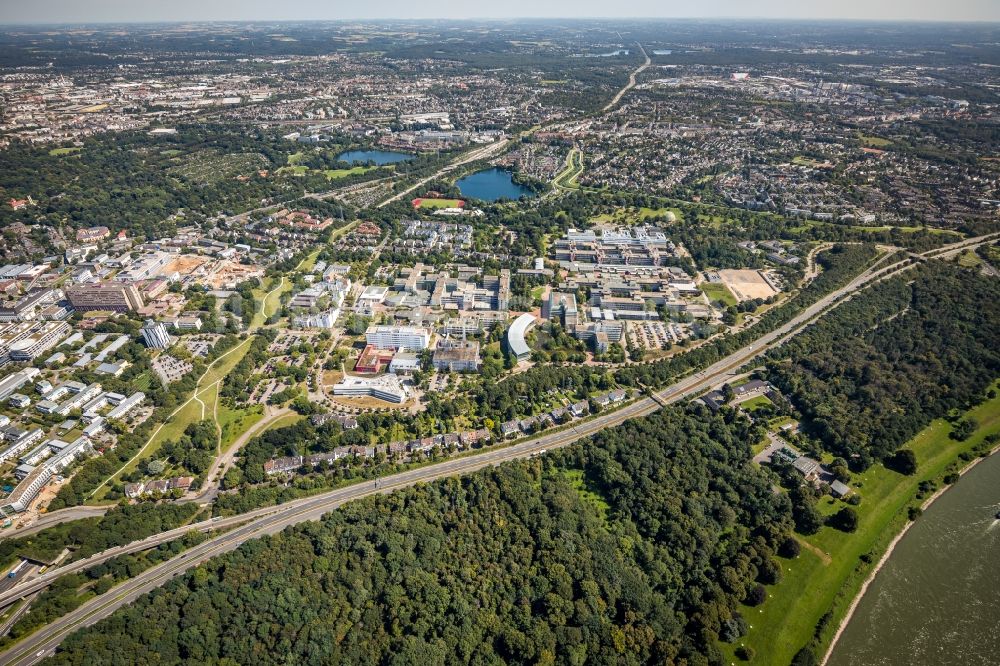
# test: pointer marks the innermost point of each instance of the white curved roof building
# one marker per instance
(516, 334)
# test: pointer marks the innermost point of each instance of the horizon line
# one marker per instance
(492, 19)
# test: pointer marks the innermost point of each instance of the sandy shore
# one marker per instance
(888, 551)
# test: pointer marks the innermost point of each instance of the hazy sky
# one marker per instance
(54, 11)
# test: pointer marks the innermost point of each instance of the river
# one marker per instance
(937, 599)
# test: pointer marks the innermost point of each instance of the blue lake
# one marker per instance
(492, 185)
(379, 157)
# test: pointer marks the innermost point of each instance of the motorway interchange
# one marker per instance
(271, 520)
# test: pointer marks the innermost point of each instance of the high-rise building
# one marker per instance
(114, 296)
(155, 335)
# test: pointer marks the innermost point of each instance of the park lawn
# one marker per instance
(307, 264)
(284, 421)
(717, 291)
(829, 573)
(802, 160)
(907, 230)
(567, 178)
(295, 158)
(333, 174)
(755, 403)
(58, 152)
(441, 203)
(270, 302)
(192, 411)
(171, 430)
(273, 300)
(776, 423)
(142, 381)
(297, 170)
(224, 364)
(872, 229)
(636, 215)
(874, 141)
(235, 422)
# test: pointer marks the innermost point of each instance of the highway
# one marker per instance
(271, 520)
(631, 81)
(47, 520)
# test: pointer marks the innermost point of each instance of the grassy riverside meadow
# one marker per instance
(821, 583)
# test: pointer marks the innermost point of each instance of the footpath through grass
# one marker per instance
(200, 406)
(819, 585)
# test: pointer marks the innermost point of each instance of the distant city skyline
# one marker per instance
(95, 11)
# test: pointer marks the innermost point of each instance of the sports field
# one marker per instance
(438, 203)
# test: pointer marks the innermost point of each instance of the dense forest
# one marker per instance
(904, 352)
(148, 185)
(634, 547)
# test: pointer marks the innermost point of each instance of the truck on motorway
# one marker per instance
(13, 572)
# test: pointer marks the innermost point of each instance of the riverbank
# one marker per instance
(888, 553)
(819, 587)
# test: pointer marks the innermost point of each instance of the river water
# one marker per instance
(937, 599)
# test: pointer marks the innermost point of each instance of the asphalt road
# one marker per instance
(54, 518)
(274, 519)
(631, 81)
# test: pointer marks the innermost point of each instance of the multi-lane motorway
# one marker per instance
(631, 81)
(274, 519)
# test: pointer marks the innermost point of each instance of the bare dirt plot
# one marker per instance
(228, 273)
(746, 284)
(184, 264)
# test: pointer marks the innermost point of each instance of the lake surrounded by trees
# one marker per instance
(937, 599)
(492, 185)
(379, 157)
